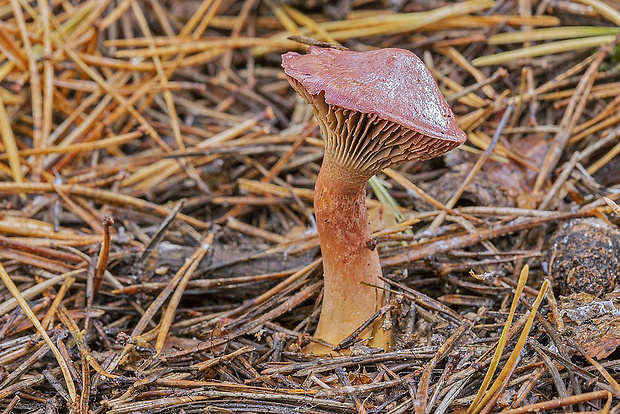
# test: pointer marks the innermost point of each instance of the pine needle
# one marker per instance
(168, 317)
(613, 205)
(502, 340)
(515, 352)
(9, 143)
(542, 50)
(603, 9)
(551, 33)
(8, 282)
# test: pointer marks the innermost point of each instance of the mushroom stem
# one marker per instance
(344, 232)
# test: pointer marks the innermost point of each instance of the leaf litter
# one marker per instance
(157, 242)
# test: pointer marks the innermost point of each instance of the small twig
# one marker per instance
(350, 340)
(305, 40)
(12, 404)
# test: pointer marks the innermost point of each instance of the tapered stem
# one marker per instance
(344, 232)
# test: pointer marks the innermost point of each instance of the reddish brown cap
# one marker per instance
(390, 85)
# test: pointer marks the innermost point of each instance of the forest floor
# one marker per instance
(157, 243)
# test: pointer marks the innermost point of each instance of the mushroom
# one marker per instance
(375, 109)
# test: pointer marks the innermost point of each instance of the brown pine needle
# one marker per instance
(613, 205)
(35, 90)
(8, 139)
(81, 147)
(48, 73)
(559, 403)
(66, 319)
(168, 317)
(98, 195)
(607, 408)
(35, 290)
(49, 315)
(172, 116)
(552, 33)
(601, 369)
(6, 279)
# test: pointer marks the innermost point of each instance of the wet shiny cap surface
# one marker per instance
(393, 84)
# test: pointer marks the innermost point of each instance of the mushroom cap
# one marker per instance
(393, 84)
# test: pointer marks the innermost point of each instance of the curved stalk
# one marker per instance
(344, 231)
